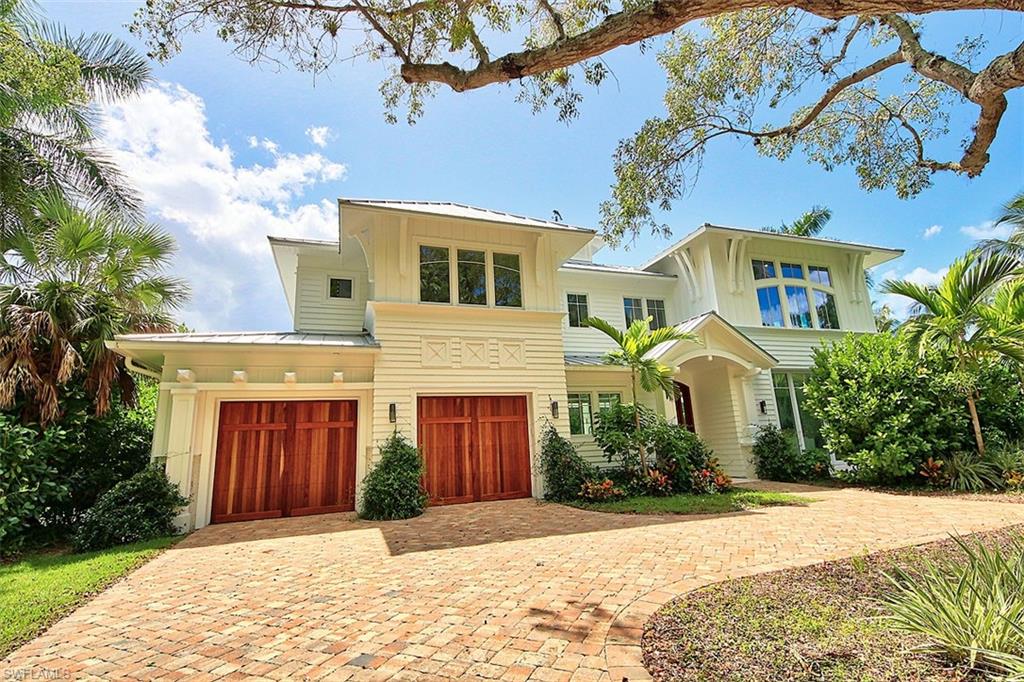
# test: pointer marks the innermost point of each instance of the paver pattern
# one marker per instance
(511, 590)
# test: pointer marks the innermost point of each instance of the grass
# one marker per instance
(735, 500)
(819, 623)
(38, 589)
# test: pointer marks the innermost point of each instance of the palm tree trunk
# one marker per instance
(636, 425)
(976, 423)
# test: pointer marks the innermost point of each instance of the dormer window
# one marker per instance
(784, 298)
(339, 287)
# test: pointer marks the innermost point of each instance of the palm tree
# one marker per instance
(70, 280)
(1006, 311)
(634, 345)
(810, 224)
(49, 84)
(951, 318)
(1013, 215)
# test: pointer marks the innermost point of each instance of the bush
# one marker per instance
(394, 488)
(1008, 461)
(600, 491)
(966, 471)
(776, 458)
(710, 479)
(970, 609)
(563, 469)
(615, 433)
(140, 508)
(29, 482)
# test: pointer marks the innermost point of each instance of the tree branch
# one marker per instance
(556, 18)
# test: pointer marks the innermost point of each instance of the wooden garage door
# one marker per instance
(475, 448)
(284, 458)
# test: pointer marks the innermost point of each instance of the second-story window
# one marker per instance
(472, 272)
(577, 309)
(435, 275)
(771, 307)
(825, 307)
(508, 283)
(763, 269)
(656, 311)
(789, 302)
(799, 308)
(339, 287)
(634, 309)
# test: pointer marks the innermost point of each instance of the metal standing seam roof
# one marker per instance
(616, 269)
(456, 210)
(257, 339)
(584, 360)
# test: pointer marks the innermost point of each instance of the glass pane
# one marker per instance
(508, 286)
(656, 311)
(577, 309)
(799, 308)
(792, 270)
(763, 269)
(605, 401)
(340, 288)
(634, 308)
(784, 404)
(771, 307)
(825, 306)
(580, 419)
(435, 285)
(820, 275)
(810, 425)
(472, 277)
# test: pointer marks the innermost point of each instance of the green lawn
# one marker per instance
(37, 589)
(736, 500)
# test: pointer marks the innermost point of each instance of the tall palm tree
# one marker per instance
(634, 345)
(1013, 216)
(810, 224)
(1006, 311)
(50, 83)
(70, 280)
(951, 318)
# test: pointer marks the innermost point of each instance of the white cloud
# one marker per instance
(900, 305)
(987, 230)
(319, 135)
(219, 210)
(930, 232)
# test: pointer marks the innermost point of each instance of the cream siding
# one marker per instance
(315, 310)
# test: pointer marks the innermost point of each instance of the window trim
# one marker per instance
(664, 311)
(588, 424)
(568, 317)
(594, 392)
(643, 312)
(453, 271)
(327, 287)
(780, 282)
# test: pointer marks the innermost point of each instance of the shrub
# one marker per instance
(563, 469)
(29, 481)
(677, 452)
(776, 458)
(710, 479)
(657, 484)
(934, 472)
(966, 471)
(615, 433)
(600, 491)
(969, 609)
(394, 488)
(1008, 462)
(140, 508)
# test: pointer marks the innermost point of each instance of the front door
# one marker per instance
(684, 407)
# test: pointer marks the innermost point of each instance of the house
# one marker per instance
(461, 328)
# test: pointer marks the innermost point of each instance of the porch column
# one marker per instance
(747, 425)
(179, 440)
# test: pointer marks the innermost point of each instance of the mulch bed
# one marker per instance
(812, 623)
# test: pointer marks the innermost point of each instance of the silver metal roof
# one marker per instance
(584, 359)
(616, 269)
(258, 339)
(455, 210)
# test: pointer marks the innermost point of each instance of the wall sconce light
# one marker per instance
(554, 409)
(763, 406)
(392, 412)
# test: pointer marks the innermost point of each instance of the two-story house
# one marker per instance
(462, 328)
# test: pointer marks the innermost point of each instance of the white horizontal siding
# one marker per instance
(793, 348)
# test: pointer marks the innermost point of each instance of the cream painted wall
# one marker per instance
(315, 311)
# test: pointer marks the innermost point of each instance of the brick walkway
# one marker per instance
(511, 590)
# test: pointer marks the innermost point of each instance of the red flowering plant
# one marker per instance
(600, 491)
(710, 479)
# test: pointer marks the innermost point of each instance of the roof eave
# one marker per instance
(567, 229)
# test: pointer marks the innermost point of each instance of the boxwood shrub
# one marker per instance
(394, 489)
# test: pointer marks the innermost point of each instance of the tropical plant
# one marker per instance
(49, 83)
(394, 487)
(810, 224)
(634, 349)
(563, 469)
(966, 471)
(71, 280)
(950, 318)
(139, 508)
(969, 609)
(1012, 216)
(776, 457)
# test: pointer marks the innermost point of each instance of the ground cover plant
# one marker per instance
(821, 622)
(690, 503)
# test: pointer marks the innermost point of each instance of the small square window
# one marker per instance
(763, 269)
(339, 287)
(793, 270)
(606, 401)
(819, 274)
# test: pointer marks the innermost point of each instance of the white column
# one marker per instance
(179, 438)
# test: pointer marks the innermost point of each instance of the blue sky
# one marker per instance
(226, 152)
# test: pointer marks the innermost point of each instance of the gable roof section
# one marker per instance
(450, 209)
(876, 254)
(699, 323)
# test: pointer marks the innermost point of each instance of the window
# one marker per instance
(339, 287)
(656, 311)
(763, 269)
(792, 271)
(472, 273)
(606, 401)
(508, 283)
(577, 309)
(771, 307)
(820, 275)
(634, 309)
(825, 307)
(435, 283)
(580, 419)
(797, 423)
(799, 308)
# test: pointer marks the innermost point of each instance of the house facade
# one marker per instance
(461, 328)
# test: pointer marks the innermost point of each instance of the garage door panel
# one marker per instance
(247, 481)
(504, 460)
(444, 436)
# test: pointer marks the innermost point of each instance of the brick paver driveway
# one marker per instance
(511, 590)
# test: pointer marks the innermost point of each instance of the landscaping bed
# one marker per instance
(38, 589)
(812, 623)
(730, 501)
